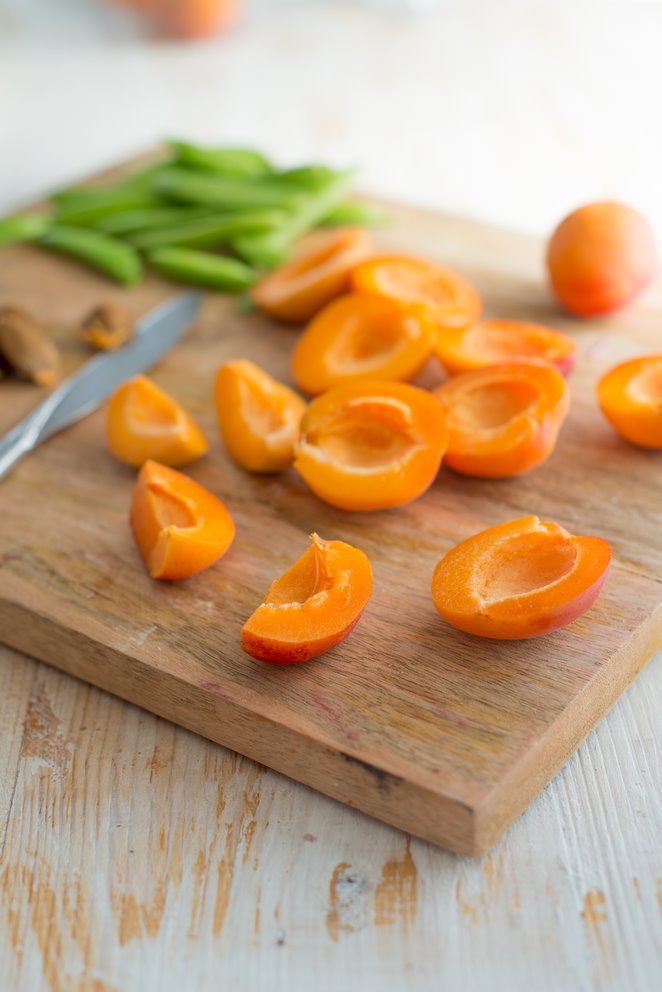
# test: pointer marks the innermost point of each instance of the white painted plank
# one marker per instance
(139, 857)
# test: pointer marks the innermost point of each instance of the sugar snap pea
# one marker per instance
(128, 222)
(238, 162)
(199, 268)
(141, 180)
(115, 258)
(88, 211)
(271, 249)
(22, 227)
(309, 177)
(224, 192)
(356, 213)
(209, 231)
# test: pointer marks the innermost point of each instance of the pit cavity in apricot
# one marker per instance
(630, 396)
(520, 579)
(503, 420)
(258, 416)
(444, 296)
(313, 606)
(143, 422)
(493, 342)
(371, 445)
(359, 336)
(180, 528)
(296, 291)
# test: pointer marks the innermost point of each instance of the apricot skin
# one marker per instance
(600, 257)
(276, 653)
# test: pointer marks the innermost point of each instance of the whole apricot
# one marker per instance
(600, 257)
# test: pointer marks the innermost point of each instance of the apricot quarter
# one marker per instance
(258, 416)
(361, 337)
(143, 421)
(503, 420)
(312, 607)
(444, 296)
(179, 526)
(600, 257)
(296, 291)
(519, 579)
(492, 342)
(371, 445)
(630, 396)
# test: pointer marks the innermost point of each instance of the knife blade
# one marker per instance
(87, 389)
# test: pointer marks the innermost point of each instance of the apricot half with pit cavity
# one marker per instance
(520, 579)
(371, 445)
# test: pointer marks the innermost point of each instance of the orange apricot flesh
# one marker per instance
(630, 396)
(143, 422)
(503, 420)
(520, 579)
(600, 257)
(180, 528)
(258, 416)
(361, 337)
(492, 342)
(371, 445)
(444, 296)
(312, 607)
(296, 291)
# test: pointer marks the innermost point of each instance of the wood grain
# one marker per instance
(412, 722)
(142, 858)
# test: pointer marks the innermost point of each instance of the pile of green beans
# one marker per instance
(211, 217)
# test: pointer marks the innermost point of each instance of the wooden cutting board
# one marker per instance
(444, 735)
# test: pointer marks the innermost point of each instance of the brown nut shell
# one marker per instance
(26, 348)
(107, 327)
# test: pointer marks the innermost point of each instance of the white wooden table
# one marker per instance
(135, 856)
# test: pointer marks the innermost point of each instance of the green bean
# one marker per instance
(228, 193)
(23, 227)
(209, 231)
(356, 213)
(113, 257)
(88, 212)
(128, 222)
(308, 177)
(243, 163)
(199, 268)
(142, 180)
(271, 249)
(263, 251)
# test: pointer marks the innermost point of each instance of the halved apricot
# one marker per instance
(492, 342)
(311, 607)
(371, 445)
(630, 396)
(443, 295)
(179, 526)
(297, 290)
(503, 420)
(258, 416)
(361, 337)
(143, 421)
(520, 579)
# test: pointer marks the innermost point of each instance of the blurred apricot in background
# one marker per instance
(186, 18)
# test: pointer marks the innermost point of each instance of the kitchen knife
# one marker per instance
(86, 390)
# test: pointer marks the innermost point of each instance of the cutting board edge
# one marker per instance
(430, 815)
(513, 793)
